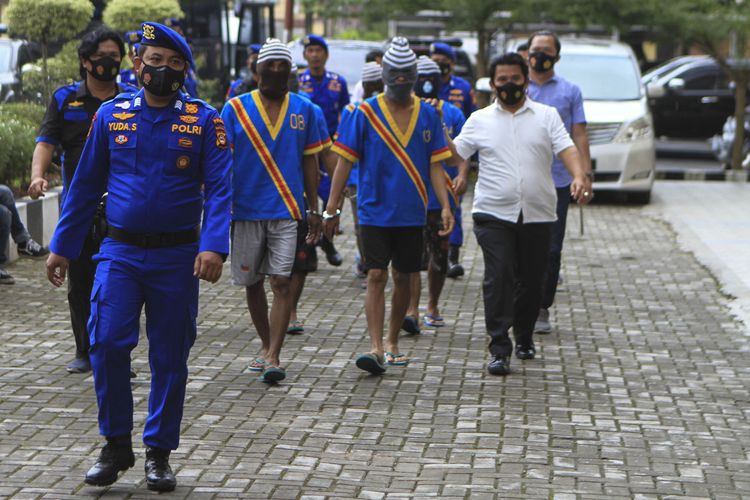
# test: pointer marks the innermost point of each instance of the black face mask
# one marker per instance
(427, 86)
(541, 62)
(445, 68)
(510, 93)
(161, 81)
(273, 84)
(104, 69)
(293, 84)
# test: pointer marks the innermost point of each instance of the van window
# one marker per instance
(602, 77)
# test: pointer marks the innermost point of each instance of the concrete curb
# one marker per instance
(40, 218)
(725, 175)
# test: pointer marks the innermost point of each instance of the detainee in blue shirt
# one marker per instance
(399, 144)
(435, 257)
(553, 90)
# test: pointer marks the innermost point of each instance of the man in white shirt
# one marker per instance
(515, 202)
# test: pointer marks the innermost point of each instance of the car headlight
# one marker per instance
(637, 129)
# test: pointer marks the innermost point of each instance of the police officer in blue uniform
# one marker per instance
(250, 82)
(458, 92)
(128, 76)
(163, 157)
(329, 91)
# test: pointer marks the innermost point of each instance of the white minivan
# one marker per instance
(620, 127)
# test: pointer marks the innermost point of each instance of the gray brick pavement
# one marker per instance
(643, 392)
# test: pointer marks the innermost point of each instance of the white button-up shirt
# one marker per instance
(515, 158)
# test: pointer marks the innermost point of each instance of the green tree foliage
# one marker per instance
(46, 21)
(18, 127)
(127, 15)
(63, 69)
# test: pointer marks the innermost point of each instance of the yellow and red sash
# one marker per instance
(265, 156)
(396, 149)
(449, 185)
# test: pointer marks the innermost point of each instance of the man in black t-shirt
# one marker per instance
(66, 123)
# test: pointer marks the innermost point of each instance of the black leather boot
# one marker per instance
(159, 475)
(332, 255)
(454, 268)
(115, 457)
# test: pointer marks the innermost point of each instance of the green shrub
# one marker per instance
(127, 15)
(18, 139)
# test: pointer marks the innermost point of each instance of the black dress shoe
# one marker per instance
(525, 352)
(115, 457)
(455, 270)
(499, 365)
(332, 255)
(159, 475)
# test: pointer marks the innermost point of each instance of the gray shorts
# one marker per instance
(261, 247)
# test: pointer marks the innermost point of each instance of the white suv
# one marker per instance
(620, 127)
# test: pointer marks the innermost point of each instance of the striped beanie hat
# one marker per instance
(274, 49)
(399, 55)
(372, 72)
(426, 66)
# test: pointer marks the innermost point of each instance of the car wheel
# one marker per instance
(639, 197)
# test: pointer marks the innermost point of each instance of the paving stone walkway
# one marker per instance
(642, 392)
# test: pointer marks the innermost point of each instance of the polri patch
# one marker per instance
(184, 142)
(121, 139)
(189, 119)
(191, 108)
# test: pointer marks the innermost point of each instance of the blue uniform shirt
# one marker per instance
(162, 168)
(566, 98)
(454, 120)
(394, 167)
(330, 93)
(459, 93)
(129, 77)
(267, 178)
(345, 115)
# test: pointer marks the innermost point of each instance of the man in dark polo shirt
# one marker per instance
(66, 124)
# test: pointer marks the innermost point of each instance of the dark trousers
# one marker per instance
(515, 259)
(80, 281)
(10, 223)
(555, 249)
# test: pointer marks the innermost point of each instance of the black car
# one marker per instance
(692, 99)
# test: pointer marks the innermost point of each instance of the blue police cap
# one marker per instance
(158, 35)
(443, 48)
(253, 48)
(133, 37)
(315, 40)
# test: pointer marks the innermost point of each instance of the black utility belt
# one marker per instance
(154, 240)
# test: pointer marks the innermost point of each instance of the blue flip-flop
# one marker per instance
(390, 359)
(433, 321)
(273, 374)
(410, 324)
(260, 365)
(370, 363)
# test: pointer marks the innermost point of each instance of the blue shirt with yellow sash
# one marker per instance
(394, 166)
(268, 180)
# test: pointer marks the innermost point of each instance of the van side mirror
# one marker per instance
(676, 84)
(654, 90)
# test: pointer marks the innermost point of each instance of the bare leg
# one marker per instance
(257, 304)
(375, 308)
(296, 286)
(435, 282)
(280, 310)
(399, 305)
(415, 285)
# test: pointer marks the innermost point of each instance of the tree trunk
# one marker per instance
(481, 51)
(740, 101)
(45, 71)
